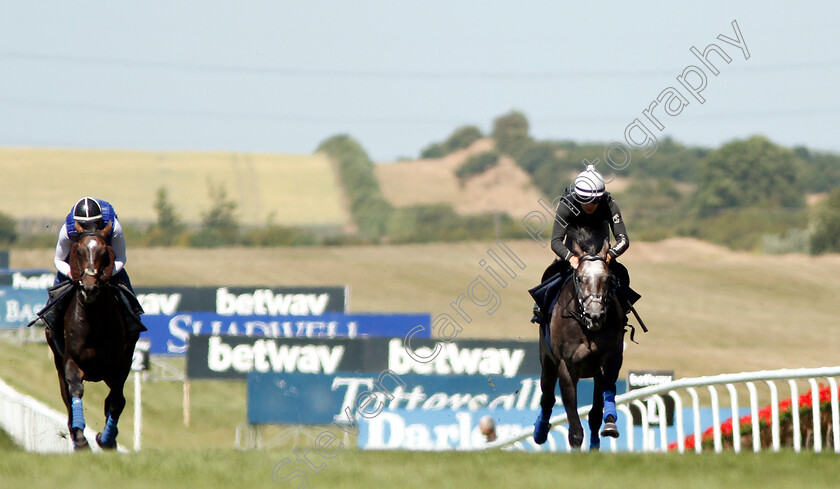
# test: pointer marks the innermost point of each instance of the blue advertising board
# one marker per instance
(169, 334)
(296, 398)
(459, 430)
(18, 306)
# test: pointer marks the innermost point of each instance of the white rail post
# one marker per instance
(835, 414)
(794, 407)
(628, 416)
(678, 420)
(715, 418)
(774, 414)
(695, 408)
(645, 435)
(736, 421)
(815, 413)
(756, 435)
(663, 422)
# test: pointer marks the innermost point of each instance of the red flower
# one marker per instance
(765, 417)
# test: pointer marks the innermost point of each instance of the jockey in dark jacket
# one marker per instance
(588, 205)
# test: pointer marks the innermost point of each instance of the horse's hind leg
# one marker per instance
(595, 414)
(611, 364)
(75, 390)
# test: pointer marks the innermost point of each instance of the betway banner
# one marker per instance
(170, 334)
(18, 306)
(232, 357)
(243, 301)
(464, 357)
(493, 359)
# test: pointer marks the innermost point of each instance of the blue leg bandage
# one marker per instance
(541, 427)
(609, 405)
(78, 414)
(109, 434)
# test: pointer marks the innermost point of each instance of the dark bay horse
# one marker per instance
(586, 336)
(95, 346)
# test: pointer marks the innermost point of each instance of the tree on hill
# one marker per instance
(825, 237)
(7, 229)
(511, 134)
(219, 225)
(461, 138)
(169, 226)
(749, 173)
(368, 206)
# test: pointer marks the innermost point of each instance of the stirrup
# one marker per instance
(537, 315)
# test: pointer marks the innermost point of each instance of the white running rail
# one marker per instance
(677, 388)
(36, 427)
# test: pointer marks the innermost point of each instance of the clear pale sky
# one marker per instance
(272, 76)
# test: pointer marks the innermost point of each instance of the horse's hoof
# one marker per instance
(105, 446)
(541, 428)
(610, 429)
(80, 444)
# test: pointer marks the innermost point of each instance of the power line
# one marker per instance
(394, 74)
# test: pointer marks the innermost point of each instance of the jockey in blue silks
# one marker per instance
(92, 215)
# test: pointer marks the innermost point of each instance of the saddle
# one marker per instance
(60, 296)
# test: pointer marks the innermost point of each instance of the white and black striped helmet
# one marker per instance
(87, 209)
(589, 184)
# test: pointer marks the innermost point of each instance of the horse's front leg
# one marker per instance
(548, 382)
(75, 389)
(114, 405)
(115, 402)
(611, 365)
(568, 392)
(595, 414)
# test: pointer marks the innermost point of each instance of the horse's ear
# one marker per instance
(107, 230)
(576, 249)
(78, 227)
(604, 249)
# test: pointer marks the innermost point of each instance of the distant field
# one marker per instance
(505, 187)
(351, 469)
(293, 189)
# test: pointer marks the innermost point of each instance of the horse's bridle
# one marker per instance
(599, 298)
(88, 272)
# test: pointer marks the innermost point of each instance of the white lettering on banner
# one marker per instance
(390, 431)
(647, 379)
(159, 303)
(182, 325)
(17, 313)
(265, 302)
(527, 397)
(455, 360)
(264, 355)
(42, 281)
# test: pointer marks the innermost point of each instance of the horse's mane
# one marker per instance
(589, 239)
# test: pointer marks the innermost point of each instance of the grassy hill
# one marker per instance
(505, 187)
(293, 189)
